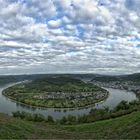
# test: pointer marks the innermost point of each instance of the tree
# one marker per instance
(50, 119)
(63, 120)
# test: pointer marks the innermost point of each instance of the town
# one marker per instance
(123, 85)
(71, 96)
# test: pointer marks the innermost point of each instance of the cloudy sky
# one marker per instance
(69, 36)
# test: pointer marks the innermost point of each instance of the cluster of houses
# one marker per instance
(126, 85)
(71, 96)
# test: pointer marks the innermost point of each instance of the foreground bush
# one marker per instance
(32, 117)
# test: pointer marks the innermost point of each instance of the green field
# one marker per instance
(127, 126)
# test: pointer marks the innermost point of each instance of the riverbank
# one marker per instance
(123, 108)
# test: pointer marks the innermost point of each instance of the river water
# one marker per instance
(115, 97)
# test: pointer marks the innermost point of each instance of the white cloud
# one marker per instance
(54, 23)
(41, 9)
(69, 36)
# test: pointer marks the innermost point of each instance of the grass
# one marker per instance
(125, 127)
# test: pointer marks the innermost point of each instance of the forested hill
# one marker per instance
(107, 78)
(4, 79)
(60, 83)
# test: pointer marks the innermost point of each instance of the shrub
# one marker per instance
(50, 119)
(63, 120)
(123, 105)
(29, 116)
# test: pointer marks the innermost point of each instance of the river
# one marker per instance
(115, 97)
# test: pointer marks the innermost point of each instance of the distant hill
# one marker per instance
(106, 78)
(4, 79)
(133, 77)
(59, 83)
(85, 77)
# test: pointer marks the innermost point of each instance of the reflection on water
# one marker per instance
(25, 106)
(116, 96)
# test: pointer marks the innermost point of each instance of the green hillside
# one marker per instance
(124, 127)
